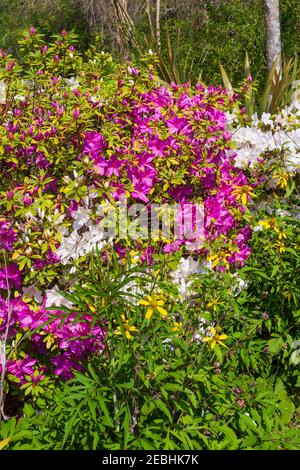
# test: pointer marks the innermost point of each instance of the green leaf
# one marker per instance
(275, 270)
(163, 407)
(226, 81)
(125, 426)
(290, 187)
(104, 409)
(287, 409)
(247, 424)
(28, 411)
(96, 439)
(275, 345)
(147, 408)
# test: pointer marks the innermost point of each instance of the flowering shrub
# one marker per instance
(164, 338)
(272, 140)
(71, 145)
(216, 371)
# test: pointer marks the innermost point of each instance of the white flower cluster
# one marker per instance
(182, 276)
(76, 245)
(85, 236)
(279, 134)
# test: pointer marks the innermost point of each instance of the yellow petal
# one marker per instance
(213, 330)
(132, 328)
(207, 338)
(127, 334)
(4, 443)
(244, 199)
(149, 313)
(263, 223)
(160, 302)
(162, 311)
(213, 344)
(144, 302)
(223, 336)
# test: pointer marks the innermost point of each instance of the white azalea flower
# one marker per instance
(68, 247)
(82, 216)
(186, 268)
(266, 119)
(2, 92)
(54, 298)
(72, 83)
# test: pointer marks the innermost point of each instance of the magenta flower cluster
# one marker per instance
(62, 342)
(185, 131)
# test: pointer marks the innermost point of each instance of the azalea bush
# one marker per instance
(71, 145)
(154, 338)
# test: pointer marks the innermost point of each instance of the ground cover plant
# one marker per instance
(144, 338)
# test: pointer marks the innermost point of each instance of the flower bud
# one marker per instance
(28, 251)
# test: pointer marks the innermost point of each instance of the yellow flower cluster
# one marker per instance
(272, 224)
(128, 329)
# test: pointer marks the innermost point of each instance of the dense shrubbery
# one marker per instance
(163, 343)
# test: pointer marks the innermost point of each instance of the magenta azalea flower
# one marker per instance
(11, 274)
(7, 235)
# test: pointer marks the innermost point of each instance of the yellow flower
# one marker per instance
(219, 259)
(242, 193)
(270, 223)
(281, 234)
(282, 180)
(134, 258)
(214, 303)
(215, 338)
(177, 326)
(154, 303)
(128, 329)
(280, 245)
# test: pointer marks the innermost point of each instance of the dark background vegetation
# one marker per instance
(203, 33)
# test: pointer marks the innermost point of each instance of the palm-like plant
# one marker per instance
(278, 91)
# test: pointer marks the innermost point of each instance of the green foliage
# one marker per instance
(48, 16)
(194, 30)
(164, 388)
(278, 90)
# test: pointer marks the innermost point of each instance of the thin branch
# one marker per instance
(3, 345)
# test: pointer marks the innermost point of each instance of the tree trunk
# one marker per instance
(158, 24)
(273, 32)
